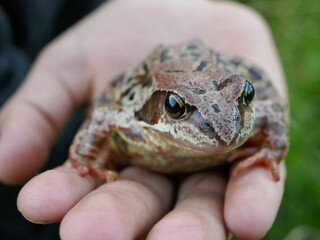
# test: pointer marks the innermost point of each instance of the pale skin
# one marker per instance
(74, 69)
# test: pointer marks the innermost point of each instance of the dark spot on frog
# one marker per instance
(129, 79)
(145, 68)
(174, 71)
(254, 73)
(192, 47)
(144, 77)
(164, 56)
(196, 55)
(220, 61)
(198, 91)
(128, 90)
(216, 108)
(223, 84)
(201, 66)
(236, 61)
(148, 83)
(118, 81)
(131, 96)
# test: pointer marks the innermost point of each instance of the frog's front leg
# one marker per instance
(269, 144)
(89, 152)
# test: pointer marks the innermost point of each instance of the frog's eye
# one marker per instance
(247, 94)
(175, 105)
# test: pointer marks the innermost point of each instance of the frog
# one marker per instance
(185, 108)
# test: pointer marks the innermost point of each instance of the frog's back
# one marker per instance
(134, 87)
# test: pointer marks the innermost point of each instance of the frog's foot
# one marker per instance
(99, 170)
(95, 168)
(265, 157)
(106, 174)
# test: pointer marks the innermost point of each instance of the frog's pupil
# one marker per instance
(174, 105)
(249, 92)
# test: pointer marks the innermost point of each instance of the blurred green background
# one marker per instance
(295, 25)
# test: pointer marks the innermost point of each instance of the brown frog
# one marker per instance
(184, 109)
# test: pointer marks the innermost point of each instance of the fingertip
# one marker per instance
(252, 202)
(159, 183)
(50, 195)
(183, 225)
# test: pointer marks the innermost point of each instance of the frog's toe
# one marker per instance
(111, 176)
(264, 157)
(83, 170)
(105, 174)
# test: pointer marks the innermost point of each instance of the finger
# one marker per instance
(124, 209)
(34, 116)
(252, 202)
(198, 213)
(50, 195)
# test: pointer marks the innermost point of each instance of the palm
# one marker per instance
(75, 69)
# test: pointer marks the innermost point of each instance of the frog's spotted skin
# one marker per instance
(218, 123)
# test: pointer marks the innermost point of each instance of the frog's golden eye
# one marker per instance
(247, 94)
(175, 106)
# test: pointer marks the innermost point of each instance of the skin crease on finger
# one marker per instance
(124, 209)
(198, 212)
(109, 51)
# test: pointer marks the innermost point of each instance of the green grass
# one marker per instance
(295, 25)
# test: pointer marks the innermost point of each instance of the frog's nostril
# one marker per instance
(205, 126)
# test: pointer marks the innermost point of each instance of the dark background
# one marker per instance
(26, 27)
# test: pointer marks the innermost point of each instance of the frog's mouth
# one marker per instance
(176, 146)
(181, 138)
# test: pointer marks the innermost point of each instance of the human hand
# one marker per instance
(73, 70)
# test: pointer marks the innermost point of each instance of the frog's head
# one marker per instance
(208, 111)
